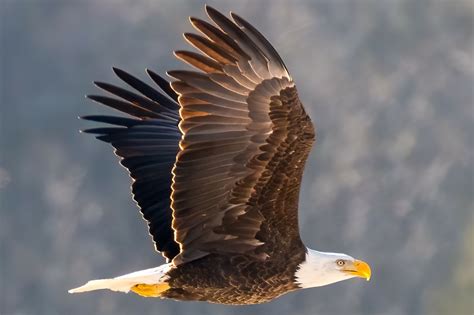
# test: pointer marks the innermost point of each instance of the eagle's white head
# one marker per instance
(320, 268)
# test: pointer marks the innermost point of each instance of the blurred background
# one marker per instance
(389, 85)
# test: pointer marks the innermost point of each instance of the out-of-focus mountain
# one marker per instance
(389, 85)
(455, 295)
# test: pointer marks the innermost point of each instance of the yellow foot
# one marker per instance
(150, 290)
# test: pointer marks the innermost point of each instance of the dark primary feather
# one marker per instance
(165, 86)
(167, 105)
(276, 65)
(147, 145)
(246, 139)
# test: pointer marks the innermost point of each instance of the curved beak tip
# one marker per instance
(363, 269)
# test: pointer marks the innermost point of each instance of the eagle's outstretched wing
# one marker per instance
(147, 145)
(231, 173)
(245, 140)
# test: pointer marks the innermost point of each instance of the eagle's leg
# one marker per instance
(150, 290)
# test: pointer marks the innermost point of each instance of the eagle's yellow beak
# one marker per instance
(359, 269)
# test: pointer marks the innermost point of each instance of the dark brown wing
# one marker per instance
(147, 145)
(245, 140)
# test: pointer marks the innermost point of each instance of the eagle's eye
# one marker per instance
(340, 262)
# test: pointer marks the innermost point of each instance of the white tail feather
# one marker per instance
(126, 282)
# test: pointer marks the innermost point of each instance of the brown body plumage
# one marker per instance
(217, 164)
(234, 279)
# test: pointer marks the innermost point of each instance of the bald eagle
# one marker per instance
(217, 158)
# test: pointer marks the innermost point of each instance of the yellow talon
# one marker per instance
(150, 290)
